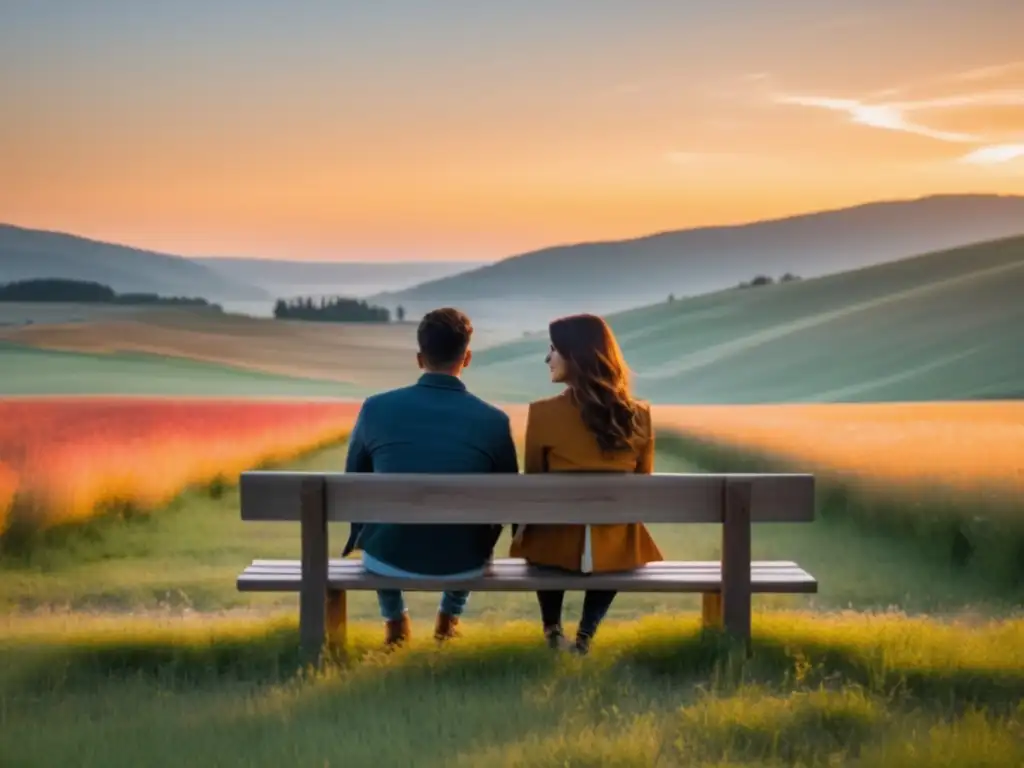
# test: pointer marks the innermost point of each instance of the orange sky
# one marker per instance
(402, 131)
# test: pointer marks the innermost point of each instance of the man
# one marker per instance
(435, 426)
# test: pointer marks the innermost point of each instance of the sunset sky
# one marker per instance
(475, 129)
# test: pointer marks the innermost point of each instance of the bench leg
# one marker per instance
(711, 611)
(314, 596)
(337, 619)
(323, 626)
(736, 558)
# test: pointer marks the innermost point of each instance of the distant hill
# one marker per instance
(943, 326)
(286, 279)
(27, 254)
(612, 276)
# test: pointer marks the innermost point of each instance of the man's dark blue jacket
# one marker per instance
(434, 426)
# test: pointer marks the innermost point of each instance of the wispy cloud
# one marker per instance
(889, 116)
(1001, 98)
(977, 76)
(910, 116)
(989, 72)
(994, 154)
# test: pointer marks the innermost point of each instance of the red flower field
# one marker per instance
(66, 459)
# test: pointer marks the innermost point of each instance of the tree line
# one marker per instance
(757, 282)
(61, 290)
(760, 280)
(337, 309)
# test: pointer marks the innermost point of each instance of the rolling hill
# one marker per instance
(33, 253)
(943, 326)
(527, 290)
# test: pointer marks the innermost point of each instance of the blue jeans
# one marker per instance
(392, 602)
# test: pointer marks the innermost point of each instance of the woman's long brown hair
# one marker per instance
(598, 379)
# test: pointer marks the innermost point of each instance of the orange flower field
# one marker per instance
(974, 449)
(63, 460)
(8, 485)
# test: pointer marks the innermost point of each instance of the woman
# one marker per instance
(593, 426)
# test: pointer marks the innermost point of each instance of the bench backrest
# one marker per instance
(541, 498)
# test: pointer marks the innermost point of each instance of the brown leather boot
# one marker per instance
(582, 644)
(445, 627)
(397, 632)
(555, 638)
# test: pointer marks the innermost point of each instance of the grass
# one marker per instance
(944, 326)
(818, 690)
(74, 459)
(908, 470)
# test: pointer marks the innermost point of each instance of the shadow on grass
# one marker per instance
(809, 663)
(24, 545)
(891, 655)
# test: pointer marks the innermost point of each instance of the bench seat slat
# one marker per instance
(511, 575)
(515, 562)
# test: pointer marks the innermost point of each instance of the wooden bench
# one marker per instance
(733, 500)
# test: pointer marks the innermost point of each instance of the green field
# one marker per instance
(30, 371)
(160, 658)
(944, 326)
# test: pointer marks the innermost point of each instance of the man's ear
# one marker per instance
(419, 360)
(468, 357)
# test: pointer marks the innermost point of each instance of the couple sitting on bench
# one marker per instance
(436, 426)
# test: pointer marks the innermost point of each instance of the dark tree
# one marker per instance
(88, 292)
(58, 290)
(335, 310)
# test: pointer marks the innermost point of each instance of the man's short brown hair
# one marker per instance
(444, 336)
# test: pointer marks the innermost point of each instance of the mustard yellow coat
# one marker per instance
(558, 441)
